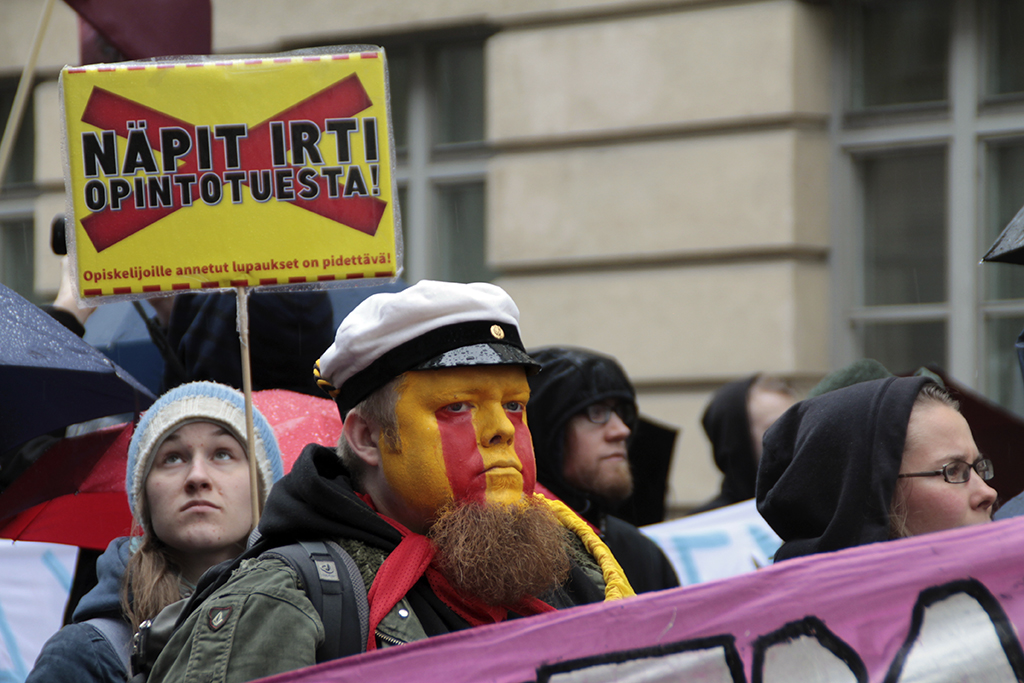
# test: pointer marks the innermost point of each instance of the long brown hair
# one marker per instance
(152, 579)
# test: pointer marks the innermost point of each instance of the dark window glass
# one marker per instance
(462, 244)
(902, 50)
(22, 166)
(1005, 197)
(1006, 49)
(1002, 371)
(458, 89)
(398, 79)
(17, 256)
(905, 227)
(904, 347)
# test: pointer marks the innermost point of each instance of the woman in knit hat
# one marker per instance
(188, 488)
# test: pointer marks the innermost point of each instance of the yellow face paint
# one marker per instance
(463, 436)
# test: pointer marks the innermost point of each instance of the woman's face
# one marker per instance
(937, 435)
(197, 494)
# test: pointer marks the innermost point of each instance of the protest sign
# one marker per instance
(938, 608)
(716, 544)
(245, 172)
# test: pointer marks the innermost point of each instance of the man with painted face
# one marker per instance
(430, 491)
(582, 414)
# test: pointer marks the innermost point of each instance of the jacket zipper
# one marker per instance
(387, 639)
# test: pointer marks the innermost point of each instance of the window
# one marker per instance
(928, 134)
(901, 52)
(437, 109)
(16, 231)
(22, 167)
(17, 254)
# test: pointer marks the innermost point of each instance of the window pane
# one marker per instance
(459, 93)
(22, 166)
(17, 254)
(904, 347)
(398, 79)
(903, 52)
(1005, 196)
(1006, 49)
(1002, 372)
(905, 228)
(461, 244)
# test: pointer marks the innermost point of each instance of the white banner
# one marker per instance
(33, 591)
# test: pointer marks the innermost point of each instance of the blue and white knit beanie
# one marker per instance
(199, 402)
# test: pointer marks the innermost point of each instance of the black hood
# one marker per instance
(829, 467)
(315, 500)
(569, 380)
(727, 425)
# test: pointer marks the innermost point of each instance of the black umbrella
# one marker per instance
(1009, 246)
(50, 378)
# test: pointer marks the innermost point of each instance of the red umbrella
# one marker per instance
(74, 494)
(298, 419)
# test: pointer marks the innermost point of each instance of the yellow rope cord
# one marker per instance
(616, 584)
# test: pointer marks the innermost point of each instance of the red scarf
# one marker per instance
(412, 559)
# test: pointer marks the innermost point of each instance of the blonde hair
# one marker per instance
(152, 579)
(379, 410)
(930, 393)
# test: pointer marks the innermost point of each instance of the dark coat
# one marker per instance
(830, 464)
(287, 333)
(569, 381)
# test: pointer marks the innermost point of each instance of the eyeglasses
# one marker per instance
(959, 472)
(600, 413)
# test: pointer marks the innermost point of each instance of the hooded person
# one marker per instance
(430, 492)
(734, 421)
(870, 462)
(187, 480)
(582, 412)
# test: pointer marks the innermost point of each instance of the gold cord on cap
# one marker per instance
(322, 383)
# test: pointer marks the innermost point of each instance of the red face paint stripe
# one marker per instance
(524, 449)
(462, 460)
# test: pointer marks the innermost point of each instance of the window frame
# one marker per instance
(423, 167)
(965, 125)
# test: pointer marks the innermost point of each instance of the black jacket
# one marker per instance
(569, 381)
(287, 333)
(830, 463)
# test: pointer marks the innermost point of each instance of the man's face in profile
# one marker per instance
(462, 437)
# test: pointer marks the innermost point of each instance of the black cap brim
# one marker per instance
(488, 353)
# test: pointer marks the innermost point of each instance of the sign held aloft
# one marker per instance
(231, 172)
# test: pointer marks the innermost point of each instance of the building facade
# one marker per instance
(703, 189)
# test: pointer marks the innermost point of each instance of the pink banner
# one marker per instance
(936, 608)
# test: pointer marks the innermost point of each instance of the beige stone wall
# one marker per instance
(18, 22)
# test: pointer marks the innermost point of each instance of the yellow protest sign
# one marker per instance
(272, 170)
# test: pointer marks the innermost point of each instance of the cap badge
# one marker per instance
(497, 332)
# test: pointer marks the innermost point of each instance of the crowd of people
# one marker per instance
(474, 482)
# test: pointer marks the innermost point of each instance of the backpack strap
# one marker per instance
(335, 588)
(118, 634)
